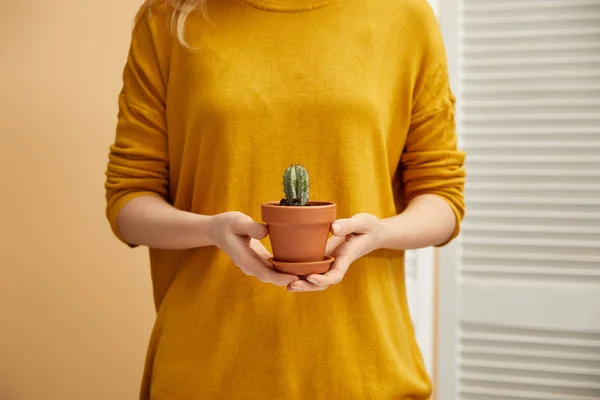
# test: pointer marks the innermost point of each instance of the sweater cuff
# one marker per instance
(113, 212)
(457, 215)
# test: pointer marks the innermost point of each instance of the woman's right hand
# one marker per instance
(238, 236)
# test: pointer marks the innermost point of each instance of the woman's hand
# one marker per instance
(353, 238)
(238, 236)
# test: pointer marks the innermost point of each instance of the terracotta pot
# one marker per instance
(299, 234)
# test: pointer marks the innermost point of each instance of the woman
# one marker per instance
(218, 99)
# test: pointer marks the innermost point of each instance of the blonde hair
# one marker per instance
(180, 11)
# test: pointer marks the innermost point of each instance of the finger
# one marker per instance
(246, 226)
(262, 252)
(332, 244)
(343, 251)
(245, 271)
(334, 275)
(268, 275)
(353, 248)
(253, 263)
(360, 223)
(303, 286)
(346, 254)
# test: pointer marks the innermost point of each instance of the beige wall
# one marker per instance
(75, 305)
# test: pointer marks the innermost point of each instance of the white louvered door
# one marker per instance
(520, 288)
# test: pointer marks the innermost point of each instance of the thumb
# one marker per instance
(246, 226)
(347, 226)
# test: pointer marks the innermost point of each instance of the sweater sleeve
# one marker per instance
(431, 162)
(138, 157)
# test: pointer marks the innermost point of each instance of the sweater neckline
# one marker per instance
(288, 5)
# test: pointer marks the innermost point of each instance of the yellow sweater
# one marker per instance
(356, 91)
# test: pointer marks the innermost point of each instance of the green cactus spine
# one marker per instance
(296, 186)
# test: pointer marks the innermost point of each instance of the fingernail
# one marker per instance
(336, 228)
(312, 279)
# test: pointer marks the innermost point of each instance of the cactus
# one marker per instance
(295, 186)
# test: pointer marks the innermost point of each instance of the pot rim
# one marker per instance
(314, 205)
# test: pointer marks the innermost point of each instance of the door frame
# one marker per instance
(426, 282)
(449, 15)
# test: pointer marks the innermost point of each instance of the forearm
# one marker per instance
(151, 221)
(428, 220)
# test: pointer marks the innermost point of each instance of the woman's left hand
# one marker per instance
(353, 238)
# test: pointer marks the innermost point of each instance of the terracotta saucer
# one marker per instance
(303, 268)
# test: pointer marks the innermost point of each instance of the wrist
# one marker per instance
(393, 233)
(198, 230)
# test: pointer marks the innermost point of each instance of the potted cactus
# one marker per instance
(298, 227)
